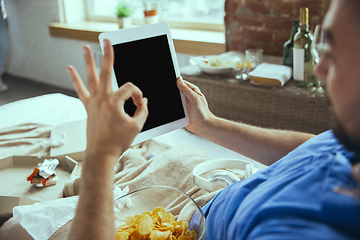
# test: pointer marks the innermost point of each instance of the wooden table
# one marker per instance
(287, 107)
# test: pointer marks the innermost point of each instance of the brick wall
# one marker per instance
(266, 24)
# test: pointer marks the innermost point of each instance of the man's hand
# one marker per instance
(199, 113)
(110, 130)
(263, 145)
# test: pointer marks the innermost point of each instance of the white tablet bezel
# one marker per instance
(142, 32)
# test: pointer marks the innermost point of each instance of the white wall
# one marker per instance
(34, 54)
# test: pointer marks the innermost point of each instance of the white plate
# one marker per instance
(202, 63)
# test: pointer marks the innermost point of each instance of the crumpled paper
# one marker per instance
(42, 219)
(123, 202)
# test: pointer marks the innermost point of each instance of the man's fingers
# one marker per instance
(126, 91)
(142, 112)
(193, 87)
(106, 68)
(129, 90)
(79, 85)
(93, 81)
(190, 91)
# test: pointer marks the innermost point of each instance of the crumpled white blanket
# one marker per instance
(168, 166)
(42, 219)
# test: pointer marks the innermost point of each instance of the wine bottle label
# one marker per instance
(299, 59)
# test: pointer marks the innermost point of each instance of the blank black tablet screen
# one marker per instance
(148, 64)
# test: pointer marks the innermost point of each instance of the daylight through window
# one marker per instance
(196, 11)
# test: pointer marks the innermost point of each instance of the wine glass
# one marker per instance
(238, 66)
(318, 48)
(252, 60)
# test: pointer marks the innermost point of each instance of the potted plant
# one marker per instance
(123, 13)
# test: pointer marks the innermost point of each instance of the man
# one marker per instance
(310, 193)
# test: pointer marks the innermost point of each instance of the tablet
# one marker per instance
(146, 57)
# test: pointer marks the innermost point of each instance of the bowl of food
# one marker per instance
(158, 212)
(213, 64)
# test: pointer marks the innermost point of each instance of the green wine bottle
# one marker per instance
(288, 46)
(303, 71)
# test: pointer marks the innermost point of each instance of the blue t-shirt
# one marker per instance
(294, 198)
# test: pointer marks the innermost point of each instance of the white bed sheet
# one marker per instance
(55, 109)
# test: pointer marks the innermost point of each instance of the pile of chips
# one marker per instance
(158, 225)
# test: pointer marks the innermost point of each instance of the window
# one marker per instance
(196, 14)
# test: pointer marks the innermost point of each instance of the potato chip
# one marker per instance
(130, 221)
(170, 217)
(156, 225)
(166, 217)
(168, 224)
(129, 230)
(193, 235)
(148, 213)
(158, 209)
(122, 235)
(162, 216)
(136, 235)
(144, 224)
(183, 238)
(160, 235)
(167, 227)
(156, 219)
(184, 226)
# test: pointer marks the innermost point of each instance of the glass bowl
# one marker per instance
(173, 200)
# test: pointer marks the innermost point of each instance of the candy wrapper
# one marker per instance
(44, 174)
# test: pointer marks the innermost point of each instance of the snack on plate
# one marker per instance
(44, 174)
(240, 64)
(218, 62)
(158, 225)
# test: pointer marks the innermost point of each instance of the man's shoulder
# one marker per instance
(325, 142)
(321, 148)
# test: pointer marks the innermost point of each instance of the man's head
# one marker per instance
(340, 67)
